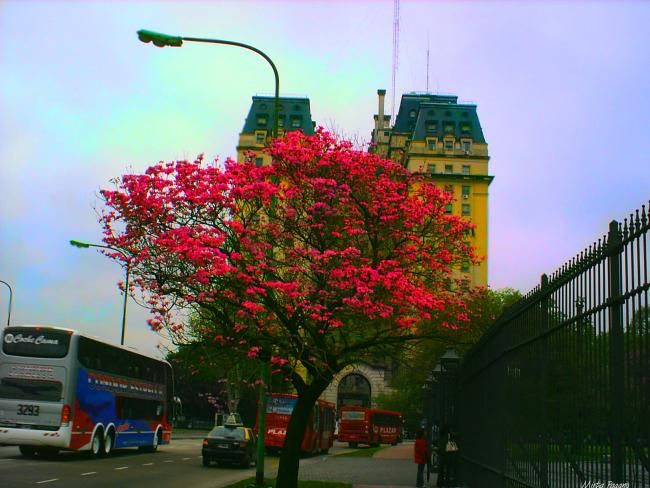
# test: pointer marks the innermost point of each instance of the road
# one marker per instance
(175, 465)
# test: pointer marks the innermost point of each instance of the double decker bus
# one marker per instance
(361, 425)
(61, 389)
(319, 433)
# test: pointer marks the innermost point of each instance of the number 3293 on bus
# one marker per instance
(28, 410)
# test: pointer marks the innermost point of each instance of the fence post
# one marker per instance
(544, 398)
(616, 377)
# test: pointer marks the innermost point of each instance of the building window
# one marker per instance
(467, 147)
(449, 169)
(465, 209)
(464, 266)
(449, 189)
(466, 170)
(449, 208)
(262, 119)
(466, 189)
(449, 145)
(465, 128)
(386, 133)
(280, 121)
(259, 137)
(259, 161)
(296, 121)
(431, 144)
(431, 168)
(412, 114)
(432, 127)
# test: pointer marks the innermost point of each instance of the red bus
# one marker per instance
(361, 425)
(319, 434)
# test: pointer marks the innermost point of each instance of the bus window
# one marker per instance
(25, 389)
(36, 342)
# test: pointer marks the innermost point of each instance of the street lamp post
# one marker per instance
(11, 293)
(449, 363)
(163, 40)
(85, 245)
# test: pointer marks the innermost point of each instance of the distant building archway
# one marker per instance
(354, 390)
(374, 377)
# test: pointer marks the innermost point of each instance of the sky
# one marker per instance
(561, 89)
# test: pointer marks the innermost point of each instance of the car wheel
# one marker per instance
(246, 461)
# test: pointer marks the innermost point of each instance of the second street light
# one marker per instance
(85, 245)
(11, 293)
(163, 40)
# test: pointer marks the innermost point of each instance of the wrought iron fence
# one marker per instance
(557, 393)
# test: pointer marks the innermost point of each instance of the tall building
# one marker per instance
(437, 136)
(294, 114)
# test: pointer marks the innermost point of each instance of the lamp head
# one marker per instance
(80, 244)
(159, 39)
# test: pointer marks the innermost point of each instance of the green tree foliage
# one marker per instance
(417, 360)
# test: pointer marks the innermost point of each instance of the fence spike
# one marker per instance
(644, 217)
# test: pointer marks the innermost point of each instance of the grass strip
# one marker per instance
(301, 484)
(363, 453)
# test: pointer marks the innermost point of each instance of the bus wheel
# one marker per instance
(96, 445)
(27, 451)
(109, 443)
(47, 451)
(156, 441)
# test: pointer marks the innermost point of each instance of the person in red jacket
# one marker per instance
(420, 456)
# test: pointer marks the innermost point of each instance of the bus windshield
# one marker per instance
(280, 404)
(352, 415)
(36, 342)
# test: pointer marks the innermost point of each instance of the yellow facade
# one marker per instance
(436, 136)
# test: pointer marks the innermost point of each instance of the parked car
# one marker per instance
(229, 444)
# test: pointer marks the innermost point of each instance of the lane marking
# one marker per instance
(121, 468)
(88, 473)
(169, 461)
(47, 481)
(186, 459)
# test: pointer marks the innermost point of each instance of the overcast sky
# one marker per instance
(561, 89)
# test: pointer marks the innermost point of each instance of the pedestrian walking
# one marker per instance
(420, 456)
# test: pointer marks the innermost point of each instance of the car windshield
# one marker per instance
(231, 433)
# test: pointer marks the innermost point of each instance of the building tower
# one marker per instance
(294, 114)
(437, 136)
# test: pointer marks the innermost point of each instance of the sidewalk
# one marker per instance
(401, 452)
(391, 467)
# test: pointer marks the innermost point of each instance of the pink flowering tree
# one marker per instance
(327, 258)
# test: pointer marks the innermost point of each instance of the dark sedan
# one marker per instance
(229, 444)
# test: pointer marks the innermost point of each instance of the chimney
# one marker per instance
(379, 124)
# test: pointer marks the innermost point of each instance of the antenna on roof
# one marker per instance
(395, 51)
(427, 62)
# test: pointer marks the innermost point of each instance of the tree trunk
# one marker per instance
(290, 455)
